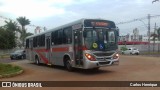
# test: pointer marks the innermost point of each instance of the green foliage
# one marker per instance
(12, 26)
(6, 69)
(154, 35)
(123, 48)
(7, 39)
(23, 22)
(7, 33)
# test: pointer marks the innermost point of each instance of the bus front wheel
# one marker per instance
(68, 65)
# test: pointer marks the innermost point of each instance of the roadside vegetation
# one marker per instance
(8, 37)
(8, 70)
(123, 48)
(4, 56)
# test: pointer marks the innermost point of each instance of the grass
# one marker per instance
(7, 70)
(4, 56)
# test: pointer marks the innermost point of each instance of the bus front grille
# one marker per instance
(103, 54)
(103, 58)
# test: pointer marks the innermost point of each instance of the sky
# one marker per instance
(53, 13)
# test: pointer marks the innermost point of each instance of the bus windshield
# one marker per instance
(99, 39)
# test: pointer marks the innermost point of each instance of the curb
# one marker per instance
(12, 74)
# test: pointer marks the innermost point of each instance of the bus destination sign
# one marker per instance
(99, 23)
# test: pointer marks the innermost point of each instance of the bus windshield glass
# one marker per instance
(99, 39)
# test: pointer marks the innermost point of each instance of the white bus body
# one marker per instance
(86, 44)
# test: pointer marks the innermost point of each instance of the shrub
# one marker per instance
(123, 48)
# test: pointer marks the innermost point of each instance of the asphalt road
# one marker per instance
(131, 68)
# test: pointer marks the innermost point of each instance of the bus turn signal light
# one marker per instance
(90, 57)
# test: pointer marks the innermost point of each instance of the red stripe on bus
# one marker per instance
(42, 50)
(60, 49)
(81, 48)
(41, 56)
(84, 47)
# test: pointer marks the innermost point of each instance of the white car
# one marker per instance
(132, 51)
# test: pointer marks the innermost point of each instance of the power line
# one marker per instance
(138, 19)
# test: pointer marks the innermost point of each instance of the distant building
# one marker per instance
(136, 38)
(144, 38)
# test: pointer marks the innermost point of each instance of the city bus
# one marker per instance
(85, 44)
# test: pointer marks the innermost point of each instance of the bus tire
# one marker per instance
(68, 65)
(37, 60)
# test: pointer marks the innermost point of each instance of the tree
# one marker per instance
(23, 21)
(7, 39)
(2, 38)
(7, 33)
(23, 35)
(154, 39)
(158, 31)
(154, 35)
(10, 25)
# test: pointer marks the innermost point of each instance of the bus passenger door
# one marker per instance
(48, 46)
(78, 53)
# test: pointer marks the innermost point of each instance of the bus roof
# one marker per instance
(66, 25)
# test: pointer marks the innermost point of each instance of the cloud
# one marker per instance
(52, 13)
(35, 9)
(32, 8)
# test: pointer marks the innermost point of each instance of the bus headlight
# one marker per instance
(115, 56)
(90, 57)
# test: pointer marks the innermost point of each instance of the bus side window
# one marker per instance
(55, 38)
(43, 40)
(52, 38)
(38, 41)
(67, 35)
(60, 37)
(35, 42)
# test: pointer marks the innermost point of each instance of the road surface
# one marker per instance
(131, 68)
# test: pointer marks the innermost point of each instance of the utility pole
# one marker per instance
(154, 37)
(149, 17)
